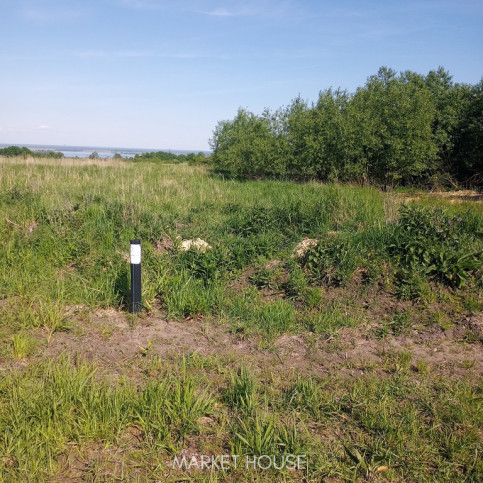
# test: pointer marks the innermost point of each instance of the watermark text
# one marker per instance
(227, 462)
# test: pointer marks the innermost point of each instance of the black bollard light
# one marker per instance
(136, 299)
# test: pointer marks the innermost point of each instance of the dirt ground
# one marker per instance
(452, 196)
(119, 344)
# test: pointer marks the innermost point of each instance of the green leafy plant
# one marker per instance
(401, 321)
(205, 265)
(266, 278)
(296, 286)
(454, 268)
(369, 467)
(411, 285)
(331, 261)
(429, 242)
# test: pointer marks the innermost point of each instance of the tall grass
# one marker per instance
(66, 228)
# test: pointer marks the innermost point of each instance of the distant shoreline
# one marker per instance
(104, 151)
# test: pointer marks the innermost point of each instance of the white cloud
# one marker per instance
(43, 127)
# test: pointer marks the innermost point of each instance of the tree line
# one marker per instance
(14, 151)
(163, 156)
(155, 156)
(398, 129)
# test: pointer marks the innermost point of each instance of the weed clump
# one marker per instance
(332, 261)
(431, 243)
(242, 391)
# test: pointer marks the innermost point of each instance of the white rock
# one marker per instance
(303, 247)
(196, 244)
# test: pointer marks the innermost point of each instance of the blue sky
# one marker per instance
(161, 73)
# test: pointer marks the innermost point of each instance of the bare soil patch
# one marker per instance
(120, 346)
(452, 196)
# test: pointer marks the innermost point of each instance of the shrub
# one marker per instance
(431, 242)
(332, 261)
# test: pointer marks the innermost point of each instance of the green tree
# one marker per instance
(467, 155)
(396, 129)
(317, 136)
(246, 145)
(13, 151)
(450, 101)
(391, 128)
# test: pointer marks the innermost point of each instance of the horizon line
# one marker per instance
(107, 148)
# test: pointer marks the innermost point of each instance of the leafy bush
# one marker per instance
(401, 128)
(456, 268)
(419, 230)
(431, 242)
(332, 261)
(201, 265)
(167, 157)
(16, 151)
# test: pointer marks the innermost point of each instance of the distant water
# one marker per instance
(104, 152)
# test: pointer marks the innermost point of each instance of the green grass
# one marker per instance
(417, 431)
(242, 391)
(78, 221)
(65, 230)
(22, 345)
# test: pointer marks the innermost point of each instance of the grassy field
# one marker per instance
(363, 353)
